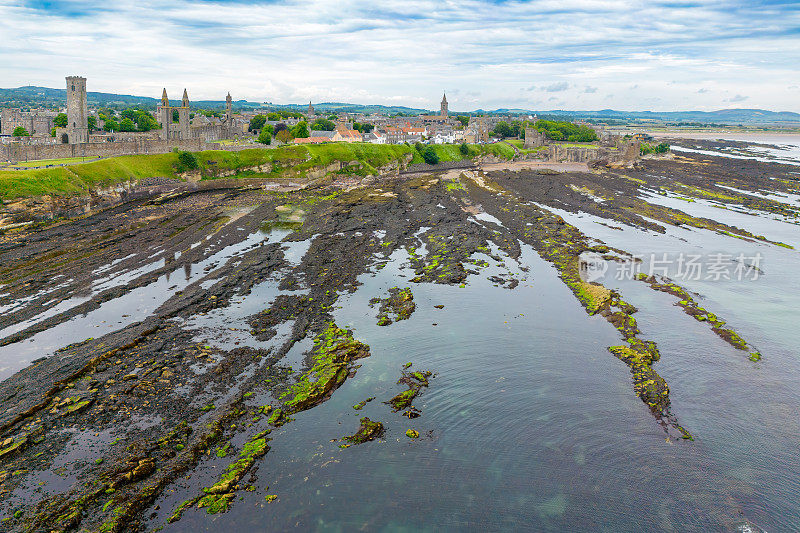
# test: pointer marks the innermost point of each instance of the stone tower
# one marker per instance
(77, 110)
(229, 109)
(311, 112)
(164, 115)
(443, 112)
(183, 116)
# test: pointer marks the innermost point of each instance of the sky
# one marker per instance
(661, 55)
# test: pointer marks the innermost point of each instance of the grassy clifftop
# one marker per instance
(79, 178)
(274, 162)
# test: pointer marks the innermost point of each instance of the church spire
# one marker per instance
(185, 98)
(164, 99)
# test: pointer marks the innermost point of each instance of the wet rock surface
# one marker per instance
(163, 398)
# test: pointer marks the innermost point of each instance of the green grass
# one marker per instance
(44, 162)
(581, 145)
(232, 142)
(76, 179)
(452, 152)
(286, 161)
(534, 150)
(295, 160)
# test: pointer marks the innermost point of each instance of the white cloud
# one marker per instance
(394, 52)
(556, 87)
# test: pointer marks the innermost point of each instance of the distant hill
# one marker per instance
(339, 107)
(32, 96)
(722, 116)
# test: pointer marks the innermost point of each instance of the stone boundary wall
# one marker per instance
(576, 154)
(233, 147)
(445, 165)
(20, 152)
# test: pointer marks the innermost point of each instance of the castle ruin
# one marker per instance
(200, 127)
(37, 123)
(534, 138)
(77, 111)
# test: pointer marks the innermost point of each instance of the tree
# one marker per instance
(131, 114)
(127, 125)
(323, 124)
(19, 131)
(279, 127)
(419, 147)
(175, 115)
(61, 120)
(91, 123)
(503, 129)
(272, 117)
(145, 121)
(560, 131)
(366, 128)
(301, 130)
(430, 156)
(284, 136)
(463, 119)
(186, 161)
(111, 125)
(647, 148)
(257, 123)
(464, 149)
(264, 137)
(333, 118)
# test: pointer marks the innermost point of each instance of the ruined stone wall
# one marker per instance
(534, 138)
(625, 152)
(36, 123)
(19, 152)
(573, 154)
(444, 165)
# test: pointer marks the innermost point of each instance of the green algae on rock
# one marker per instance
(334, 351)
(415, 381)
(368, 430)
(360, 405)
(693, 309)
(400, 304)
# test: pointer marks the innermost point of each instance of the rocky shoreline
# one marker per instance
(193, 247)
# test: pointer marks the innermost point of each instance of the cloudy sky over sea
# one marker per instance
(552, 54)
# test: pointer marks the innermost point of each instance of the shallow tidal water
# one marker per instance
(529, 423)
